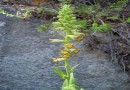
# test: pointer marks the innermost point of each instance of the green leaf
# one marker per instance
(72, 87)
(69, 88)
(95, 27)
(73, 68)
(101, 28)
(82, 24)
(6, 13)
(128, 20)
(100, 14)
(105, 27)
(72, 79)
(43, 27)
(65, 84)
(116, 17)
(60, 66)
(71, 84)
(60, 73)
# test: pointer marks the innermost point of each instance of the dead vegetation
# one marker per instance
(116, 43)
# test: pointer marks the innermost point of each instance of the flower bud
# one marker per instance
(56, 40)
(77, 38)
(56, 60)
(66, 56)
(76, 51)
(64, 52)
(78, 34)
(72, 37)
(69, 45)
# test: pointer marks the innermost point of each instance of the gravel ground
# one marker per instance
(25, 61)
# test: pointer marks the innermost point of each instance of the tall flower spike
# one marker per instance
(68, 24)
(66, 19)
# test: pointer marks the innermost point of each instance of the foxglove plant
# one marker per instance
(68, 24)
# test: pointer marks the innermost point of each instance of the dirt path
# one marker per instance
(25, 61)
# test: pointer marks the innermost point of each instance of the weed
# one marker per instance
(68, 24)
(6, 13)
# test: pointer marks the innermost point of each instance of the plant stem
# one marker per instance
(66, 61)
(67, 68)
